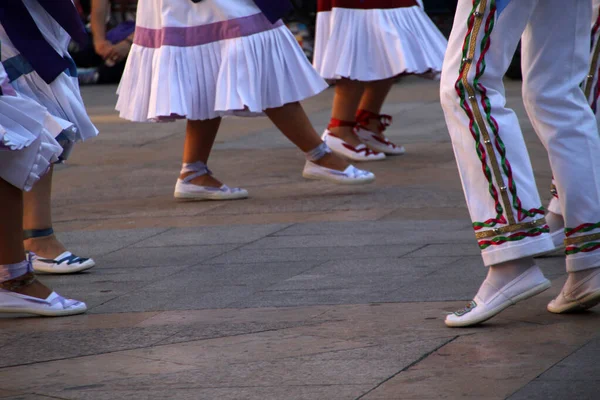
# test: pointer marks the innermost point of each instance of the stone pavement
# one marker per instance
(305, 291)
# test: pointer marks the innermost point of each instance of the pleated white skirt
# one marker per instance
(61, 97)
(27, 145)
(226, 59)
(375, 44)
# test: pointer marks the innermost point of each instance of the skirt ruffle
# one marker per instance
(369, 45)
(240, 76)
(27, 144)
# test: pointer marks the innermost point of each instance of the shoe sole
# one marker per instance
(338, 181)
(492, 313)
(41, 313)
(208, 197)
(63, 270)
(589, 301)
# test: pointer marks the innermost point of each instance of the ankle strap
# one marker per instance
(199, 169)
(37, 233)
(364, 117)
(318, 152)
(338, 123)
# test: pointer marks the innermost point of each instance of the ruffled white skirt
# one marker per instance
(62, 97)
(375, 44)
(27, 144)
(243, 76)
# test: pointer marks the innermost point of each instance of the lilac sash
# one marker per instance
(29, 40)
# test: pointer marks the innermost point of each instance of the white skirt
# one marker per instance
(61, 97)
(225, 58)
(27, 131)
(375, 44)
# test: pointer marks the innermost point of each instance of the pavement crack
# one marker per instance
(417, 361)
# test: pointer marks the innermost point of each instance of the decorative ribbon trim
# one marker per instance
(484, 244)
(554, 191)
(510, 228)
(583, 228)
(587, 248)
(582, 239)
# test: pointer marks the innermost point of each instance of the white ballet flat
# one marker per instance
(379, 143)
(583, 295)
(350, 176)
(66, 263)
(53, 306)
(189, 191)
(526, 285)
(361, 152)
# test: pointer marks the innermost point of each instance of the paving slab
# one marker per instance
(304, 291)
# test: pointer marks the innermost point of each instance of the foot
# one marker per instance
(499, 292)
(206, 180)
(333, 161)
(45, 247)
(354, 153)
(27, 295)
(347, 134)
(581, 292)
(377, 141)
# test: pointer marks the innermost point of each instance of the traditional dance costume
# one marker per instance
(213, 58)
(27, 149)
(376, 39)
(372, 41)
(35, 56)
(492, 158)
(204, 60)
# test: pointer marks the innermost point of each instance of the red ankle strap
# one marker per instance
(338, 123)
(363, 117)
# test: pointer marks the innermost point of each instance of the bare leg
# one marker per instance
(293, 122)
(11, 239)
(199, 140)
(37, 214)
(345, 104)
(373, 98)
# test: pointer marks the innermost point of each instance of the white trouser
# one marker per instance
(591, 87)
(492, 158)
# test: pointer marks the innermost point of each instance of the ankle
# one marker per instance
(555, 221)
(46, 246)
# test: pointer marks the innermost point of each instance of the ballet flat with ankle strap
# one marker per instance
(65, 263)
(185, 190)
(376, 141)
(359, 153)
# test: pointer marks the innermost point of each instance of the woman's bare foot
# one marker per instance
(333, 161)
(45, 247)
(203, 180)
(347, 134)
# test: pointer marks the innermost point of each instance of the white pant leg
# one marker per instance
(488, 143)
(591, 87)
(556, 47)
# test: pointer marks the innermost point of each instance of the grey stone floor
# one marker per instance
(303, 291)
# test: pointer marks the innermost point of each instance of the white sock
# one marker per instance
(500, 275)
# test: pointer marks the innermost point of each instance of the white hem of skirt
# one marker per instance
(242, 76)
(376, 44)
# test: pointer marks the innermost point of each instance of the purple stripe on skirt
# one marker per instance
(203, 34)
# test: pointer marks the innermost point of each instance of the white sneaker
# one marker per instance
(379, 143)
(350, 176)
(359, 153)
(189, 191)
(66, 263)
(526, 285)
(53, 306)
(583, 295)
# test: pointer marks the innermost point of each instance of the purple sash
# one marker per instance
(29, 40)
